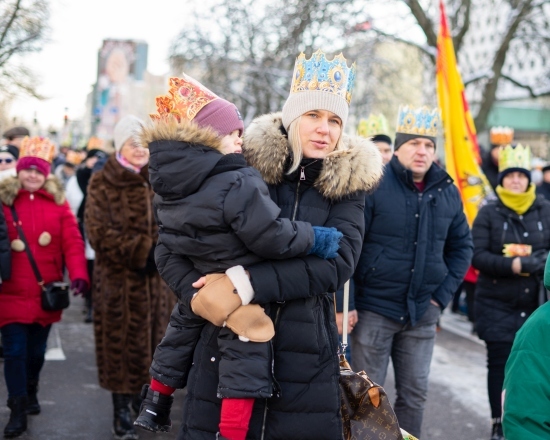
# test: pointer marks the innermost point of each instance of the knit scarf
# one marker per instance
(517, 202)
(122, 160)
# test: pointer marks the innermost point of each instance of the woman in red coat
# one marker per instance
(55, 242)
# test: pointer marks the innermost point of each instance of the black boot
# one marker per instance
(497, 429)
(155, 411)
(123, 429)
(17, 424)
(33, 407)
(135, 404)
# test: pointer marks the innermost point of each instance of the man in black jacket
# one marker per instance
(416, 251)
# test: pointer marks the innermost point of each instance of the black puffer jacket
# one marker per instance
(417, 245)
(297, 293)
(214, 208)
(504, 300)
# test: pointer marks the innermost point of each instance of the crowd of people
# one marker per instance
(212, 257)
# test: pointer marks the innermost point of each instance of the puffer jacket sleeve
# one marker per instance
(132, 249)
(73, 246)
(5, 250)
(253, 216)
(297, 278)
(458, 256)
(484, 260)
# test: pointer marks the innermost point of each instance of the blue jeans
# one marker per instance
(375, 339)
(24, 350)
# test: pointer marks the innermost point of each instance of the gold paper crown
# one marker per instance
(373, 125)
(501, 135)
(319, 74)
(74, 157)
(420, 121)
(95, 143)
(514, 157)
(186, 97)
(37, 146)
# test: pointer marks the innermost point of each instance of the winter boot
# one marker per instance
(33, 407)
(497, 429)
(123, 429)
(135, 404)
(155, 411)
(17, 424)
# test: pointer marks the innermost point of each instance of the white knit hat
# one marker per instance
(319, 84)
(128, 127)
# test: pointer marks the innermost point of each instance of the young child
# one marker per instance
(214, 209)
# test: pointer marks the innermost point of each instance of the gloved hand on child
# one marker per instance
(326, 243)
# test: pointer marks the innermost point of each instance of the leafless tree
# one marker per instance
(522, 36)
(247, 53)
(23, 28)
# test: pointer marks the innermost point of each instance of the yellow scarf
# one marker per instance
(517, 202)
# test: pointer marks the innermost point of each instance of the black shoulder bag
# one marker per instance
(55, 296)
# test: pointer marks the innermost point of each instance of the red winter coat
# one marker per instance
(42, 211)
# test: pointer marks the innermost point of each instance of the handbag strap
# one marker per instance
(345, 317)
(27, 249)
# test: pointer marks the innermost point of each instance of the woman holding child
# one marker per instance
(318, 175)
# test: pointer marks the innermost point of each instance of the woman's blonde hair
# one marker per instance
(296, 144)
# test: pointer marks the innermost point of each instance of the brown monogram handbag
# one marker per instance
(366, 411)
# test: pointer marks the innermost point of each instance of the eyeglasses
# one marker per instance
(7, 160)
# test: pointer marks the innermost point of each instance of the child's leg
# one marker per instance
(235, 417)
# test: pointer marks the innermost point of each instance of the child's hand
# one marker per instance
(326, 243)
(199, 283)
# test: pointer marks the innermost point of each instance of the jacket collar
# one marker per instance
(434, 176)
(356, 167)
(119, 176)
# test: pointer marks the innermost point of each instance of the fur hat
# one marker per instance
(128, 127)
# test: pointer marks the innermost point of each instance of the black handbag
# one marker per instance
(55, 295)
(365, 408)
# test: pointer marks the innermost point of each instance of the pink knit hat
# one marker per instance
(222, 116)
(33, 163)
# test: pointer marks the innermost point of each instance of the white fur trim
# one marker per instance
(240, 280)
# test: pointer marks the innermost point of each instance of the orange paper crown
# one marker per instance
(186, 97)
(95, 143)
(74, 157)
(37, 146)
(501, 135)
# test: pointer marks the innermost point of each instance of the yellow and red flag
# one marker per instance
(462, 158)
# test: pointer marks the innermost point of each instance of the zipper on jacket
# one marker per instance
(295, 210)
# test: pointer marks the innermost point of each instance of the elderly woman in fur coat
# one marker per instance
(37, 200)
(132, 304)
(316, 174)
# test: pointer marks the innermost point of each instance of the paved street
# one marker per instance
(74, 406)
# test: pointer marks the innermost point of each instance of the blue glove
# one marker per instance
(326, 242)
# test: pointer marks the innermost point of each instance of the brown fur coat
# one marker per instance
(131, 305)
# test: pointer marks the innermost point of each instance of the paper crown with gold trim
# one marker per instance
(514, 157)
(373, 125)
(95, 143)
(37, 146)
(501, 135)
(421, 121)
(319, 84)
(74, 157)
(186, 97)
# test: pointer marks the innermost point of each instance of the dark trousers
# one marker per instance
(497, 355)
(24, 350)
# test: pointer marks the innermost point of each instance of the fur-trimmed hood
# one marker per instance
(182, 156)
(184, 131)
(10, 187)
(356, 167)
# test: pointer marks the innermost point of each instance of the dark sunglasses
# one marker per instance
(7, 160)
